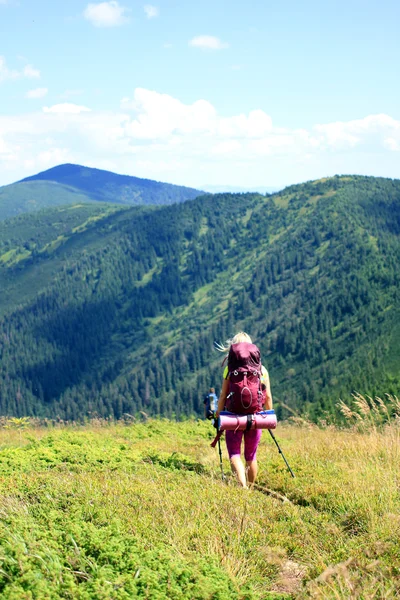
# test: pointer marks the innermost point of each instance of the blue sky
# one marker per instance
(210, 93)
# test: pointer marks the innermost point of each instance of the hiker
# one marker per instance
(210, 404)
(256, 391)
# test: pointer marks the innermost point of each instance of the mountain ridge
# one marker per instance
(69, 183)
(127, 304)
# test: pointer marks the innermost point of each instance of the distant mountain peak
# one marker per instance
(68, 170)
(87, 184)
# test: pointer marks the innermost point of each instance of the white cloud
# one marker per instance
(36, 93)
(5, 72)
(228, 147)
(31, 72)
(256, 125)
(392, 144)
(4, 148)
(157, 136)
(207, 42)
(70, 94)
(65, 109)
(8, 74)
(47, 158)
(358, 132)
(273, 144)
(106, 14)
(151, 11)
(160, 115)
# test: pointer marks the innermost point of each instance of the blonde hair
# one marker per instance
(237, 339)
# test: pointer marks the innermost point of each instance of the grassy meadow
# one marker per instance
(139, 511)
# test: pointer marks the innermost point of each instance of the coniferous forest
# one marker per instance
(107, 309)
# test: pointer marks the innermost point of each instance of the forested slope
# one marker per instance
(69, 184)
(120, 313)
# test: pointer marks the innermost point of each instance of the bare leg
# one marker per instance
(252, 469)
(238, 468)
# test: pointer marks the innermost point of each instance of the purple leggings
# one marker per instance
(251, 441)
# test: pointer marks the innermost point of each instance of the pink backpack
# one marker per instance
(246, 395)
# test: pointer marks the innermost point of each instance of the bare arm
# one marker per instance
(223, 396)
(268, 397)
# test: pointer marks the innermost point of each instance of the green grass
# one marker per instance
(200, 295)
(282, 200)
(139, 511)
(54, 244)
(203, 227)
(247, 216)
(8, 256)
(147, 277)
(14, 256)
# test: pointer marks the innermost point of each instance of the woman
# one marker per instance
(251, 437)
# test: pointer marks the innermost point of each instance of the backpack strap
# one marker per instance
(217, 438)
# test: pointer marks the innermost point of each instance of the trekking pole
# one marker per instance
(220, 459)
(217, 440)
(281, 453)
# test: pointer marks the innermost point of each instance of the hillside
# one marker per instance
(117, 312)
(69, 184)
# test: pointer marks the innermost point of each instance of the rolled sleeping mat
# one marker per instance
(265, 419)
